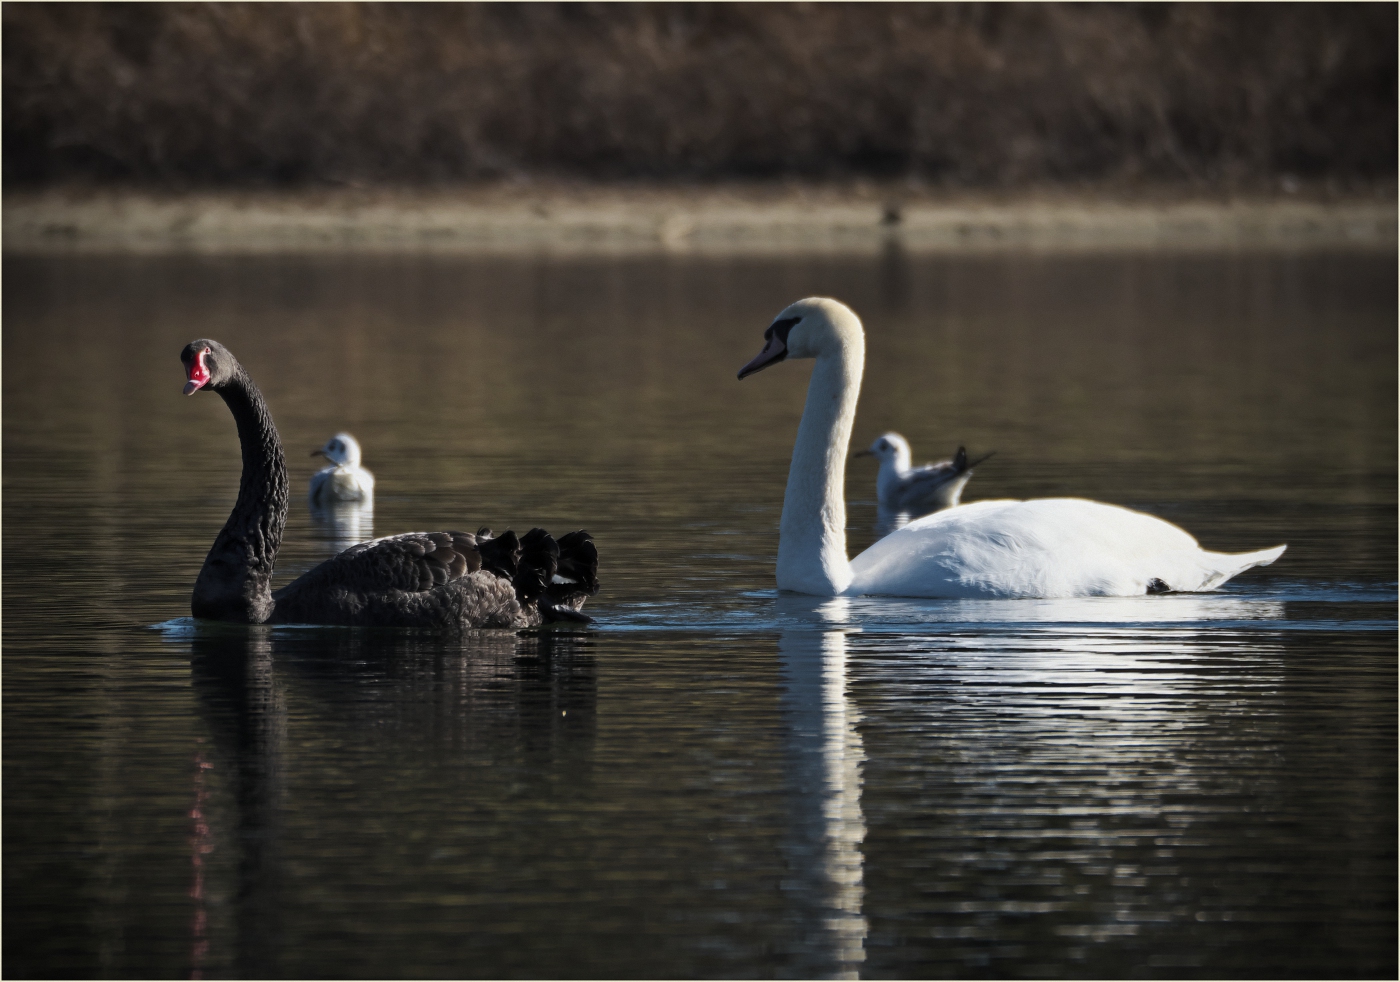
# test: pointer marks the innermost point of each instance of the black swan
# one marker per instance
(439, 580)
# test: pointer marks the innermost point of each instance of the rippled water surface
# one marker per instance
(714, 779)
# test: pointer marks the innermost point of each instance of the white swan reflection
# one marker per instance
(1097, 688)
(825, 755)
(1125, 615)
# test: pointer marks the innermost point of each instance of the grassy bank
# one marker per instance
(1240, 96)
(721, 219)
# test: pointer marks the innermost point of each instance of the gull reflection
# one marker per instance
(825, 755)
(339, 525)
(888, 520)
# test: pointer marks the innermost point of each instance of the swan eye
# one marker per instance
(782, 328)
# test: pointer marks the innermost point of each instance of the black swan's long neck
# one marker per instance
(234, 584)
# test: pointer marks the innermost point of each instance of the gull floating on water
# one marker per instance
(345, 479)
(917, 490)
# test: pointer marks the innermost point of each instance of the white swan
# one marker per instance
(345, 479)
(917, 490)
(1050, 547)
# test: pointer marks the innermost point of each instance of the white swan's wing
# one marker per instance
(1204, 570)
(1051, 547)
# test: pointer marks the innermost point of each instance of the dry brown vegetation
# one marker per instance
(973, 95)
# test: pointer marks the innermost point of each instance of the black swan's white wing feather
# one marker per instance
(575, 577)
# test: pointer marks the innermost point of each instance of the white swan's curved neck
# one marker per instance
(812, 537)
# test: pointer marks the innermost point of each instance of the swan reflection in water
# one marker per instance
(990, 695)
(1089, 676)
(496, 689)
(245, 711)
(338, 525)
(825, 756)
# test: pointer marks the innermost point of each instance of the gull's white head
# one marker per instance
(341, 449)
(808, 329)
(889, 447)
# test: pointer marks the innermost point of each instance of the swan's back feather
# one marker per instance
(443, 580)
(1049, 547)
(417, 579)
(500, 554)
(578, 562)
(411, 561)
(576, 575)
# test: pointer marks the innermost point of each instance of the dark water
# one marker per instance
(714, 780)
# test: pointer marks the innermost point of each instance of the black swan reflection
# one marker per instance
(482, 710)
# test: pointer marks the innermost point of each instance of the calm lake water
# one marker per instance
(714, 779)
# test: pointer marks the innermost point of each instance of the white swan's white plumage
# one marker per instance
(1051, 547)
(1048, 547)
(345, 479)
(901, 487)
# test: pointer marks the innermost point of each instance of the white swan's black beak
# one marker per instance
(775, 348)
(773, 352)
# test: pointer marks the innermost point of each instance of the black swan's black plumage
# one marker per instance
(442, 580)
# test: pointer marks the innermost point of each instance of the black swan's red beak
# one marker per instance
(198, 374)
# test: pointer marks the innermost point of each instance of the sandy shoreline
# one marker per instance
(734, 221)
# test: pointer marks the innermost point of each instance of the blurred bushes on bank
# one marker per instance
(958, 95)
